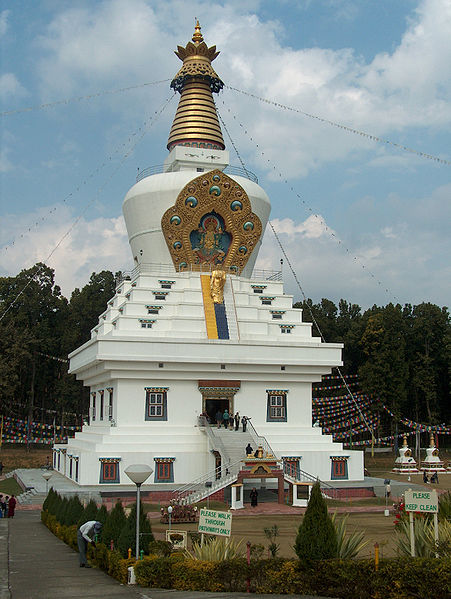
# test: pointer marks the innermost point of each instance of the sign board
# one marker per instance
(177, 538)
(213, 522)
(421, 501)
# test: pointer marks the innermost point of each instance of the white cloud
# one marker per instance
(93, 245)
(4, 14)
(10, 86)
(115, 43)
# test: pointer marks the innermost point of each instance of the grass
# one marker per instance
(9, 486)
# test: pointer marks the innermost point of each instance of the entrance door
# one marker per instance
(212, 405)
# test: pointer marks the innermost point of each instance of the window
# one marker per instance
(156, 404)
(152, 310)
(339, 468)
(146, 325)
(101, 405)
(70, 467)
(257, 290)
(164, 470)
(276, 316)
(76, 471)
(285, 330)
(291, 467)
(276, 406)
(59, 460)
(266, 302)
(110, 405)
(160, 297)
(109, 470)
(93, 407)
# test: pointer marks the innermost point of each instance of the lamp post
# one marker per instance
(170, 516)
(138, 473)
(47, 476)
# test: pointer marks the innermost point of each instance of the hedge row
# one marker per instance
(395, 579)
(110, 562)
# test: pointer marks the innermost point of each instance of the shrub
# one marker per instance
(348, 546)
(316, 538)
(155, 572)
(217, 550)
(160, 548)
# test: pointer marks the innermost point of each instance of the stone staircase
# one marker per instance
(234, 442)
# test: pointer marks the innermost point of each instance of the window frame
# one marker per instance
(151, 393)
(109, 471)
(164, 470)
(272, 407)
(339, 468)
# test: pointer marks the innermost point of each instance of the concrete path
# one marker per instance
(37, 565)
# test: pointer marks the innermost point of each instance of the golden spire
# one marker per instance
(196, 122)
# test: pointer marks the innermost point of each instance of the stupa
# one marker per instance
(405, 463)
(194, 329)
(432, 462)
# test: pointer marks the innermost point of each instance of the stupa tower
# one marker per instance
(196, 123)
(195, 329)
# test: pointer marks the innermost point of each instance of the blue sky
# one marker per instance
(372, 224)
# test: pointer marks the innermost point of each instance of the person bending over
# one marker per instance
(85, 535)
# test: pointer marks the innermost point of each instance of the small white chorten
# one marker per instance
(404, 463)
(432, 461)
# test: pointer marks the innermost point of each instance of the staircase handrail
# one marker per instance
(303, 474)
(212, 476)
(260, 440)
(215, 441)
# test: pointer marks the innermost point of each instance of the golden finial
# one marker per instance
(197, 36)
(404, 443)
(431, 440)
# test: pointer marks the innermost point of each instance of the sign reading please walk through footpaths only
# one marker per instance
(215, 523)
(421, 501)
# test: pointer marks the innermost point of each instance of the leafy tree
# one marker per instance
(316, 538)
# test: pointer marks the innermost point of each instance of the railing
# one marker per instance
(168, 270)
(228, 170)
(207, 484)
(216, 442)
(260, 440)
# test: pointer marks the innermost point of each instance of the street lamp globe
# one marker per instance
(138, 473)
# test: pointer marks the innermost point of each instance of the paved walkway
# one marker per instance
(34, 564)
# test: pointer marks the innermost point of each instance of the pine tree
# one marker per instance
(316, 538)
(74, 511)
(127, 538)
(114, 524)
(89, 513)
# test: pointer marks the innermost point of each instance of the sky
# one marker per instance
(359, 219)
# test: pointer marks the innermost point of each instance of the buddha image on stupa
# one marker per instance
(210, 242)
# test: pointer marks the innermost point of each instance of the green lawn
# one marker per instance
(9, 486)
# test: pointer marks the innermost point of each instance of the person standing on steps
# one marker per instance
(237, 421)
(225, 418)
(244, 420)
(219, 418)
(85, 535)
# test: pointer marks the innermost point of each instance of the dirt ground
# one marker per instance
(17, 456)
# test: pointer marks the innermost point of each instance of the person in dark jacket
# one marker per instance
(249, 449)
(254, 497)
(11, 506)
(219, 418)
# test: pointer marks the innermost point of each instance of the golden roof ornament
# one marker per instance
(196, 122)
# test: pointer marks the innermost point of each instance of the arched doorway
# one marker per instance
(218, 396)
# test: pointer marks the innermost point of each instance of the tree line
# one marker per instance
(402, 354)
